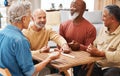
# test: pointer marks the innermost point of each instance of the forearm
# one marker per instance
(59, 40)
(83, 47)
(41, 65)
(100, 53)
(34, 52)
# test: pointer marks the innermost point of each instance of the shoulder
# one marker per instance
(48, 27)
(24, 31)
(27, 32)
(19, 38)
(66, 22)
(13, 36)
(88, 24)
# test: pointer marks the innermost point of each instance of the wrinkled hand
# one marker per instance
(66, 49)
(93, 50)
(45, 49)
(74, 45)
(54, 55)
(56, 49)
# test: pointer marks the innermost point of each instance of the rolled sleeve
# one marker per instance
(113, 56)
(30, 72)
(109, 56)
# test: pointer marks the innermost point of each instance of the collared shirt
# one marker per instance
(15, 52)
(110, 44)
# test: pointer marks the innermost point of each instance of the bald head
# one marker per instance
(38, 11)
(79, 3)
(79, 6)
(39, 18)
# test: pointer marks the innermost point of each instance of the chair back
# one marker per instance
(5, 72)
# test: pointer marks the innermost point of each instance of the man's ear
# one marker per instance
(23, 19)
(113, 18)
(32, 18)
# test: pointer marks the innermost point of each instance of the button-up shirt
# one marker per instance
(110, 44)
(14, 52)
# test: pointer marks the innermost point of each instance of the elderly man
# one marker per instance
(39, 34)
(14, 47)
(78, 31)
(107, 44)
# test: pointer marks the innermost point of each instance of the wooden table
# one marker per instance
(65, 62)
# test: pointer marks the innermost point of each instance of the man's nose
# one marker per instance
(42, 19)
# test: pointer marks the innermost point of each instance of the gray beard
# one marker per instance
(39, 25)
(74, 16)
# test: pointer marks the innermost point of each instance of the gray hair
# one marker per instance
(18, 9)
(114, 10)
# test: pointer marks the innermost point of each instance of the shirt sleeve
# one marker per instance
(57, 38)
(113, 54)
(23, 56)
(91, 35)
(61, 31)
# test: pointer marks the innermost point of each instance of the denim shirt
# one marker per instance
(15, 52)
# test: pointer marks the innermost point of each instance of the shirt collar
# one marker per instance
(12, 27)
(113, 33)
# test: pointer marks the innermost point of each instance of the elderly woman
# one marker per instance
(14, 47)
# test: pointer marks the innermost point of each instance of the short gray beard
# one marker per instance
(39, 25)
(74, 16)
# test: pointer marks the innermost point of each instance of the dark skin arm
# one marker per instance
(94, 51)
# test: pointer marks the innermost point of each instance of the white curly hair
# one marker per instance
(19, 9)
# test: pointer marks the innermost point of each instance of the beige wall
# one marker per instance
(35, 4)
(98, 4)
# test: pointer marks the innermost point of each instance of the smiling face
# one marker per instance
(39, 18)
(77, 8)
(107, 18)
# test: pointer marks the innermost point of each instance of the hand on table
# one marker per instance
(74, 45)
(54, 55)
(94, 51)
(65, 48)
(45, 49)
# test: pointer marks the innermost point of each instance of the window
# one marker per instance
(3, 20)
(1, 3)
(90, 5)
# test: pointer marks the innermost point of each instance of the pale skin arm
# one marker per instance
(41, 65)
(66, 48)
(43, 49)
